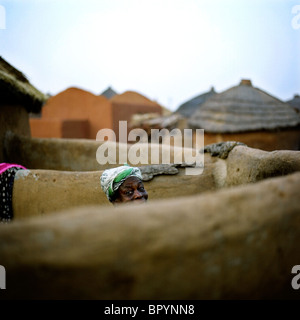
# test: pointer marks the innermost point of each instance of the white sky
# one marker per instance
(167, 50)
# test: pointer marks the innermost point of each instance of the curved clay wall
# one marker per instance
(52, 153)
(37, 192)
(234, 243)
(66, 154)
(44, 191)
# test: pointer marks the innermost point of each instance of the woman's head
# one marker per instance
(123, 185)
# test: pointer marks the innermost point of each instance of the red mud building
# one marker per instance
(76, 113)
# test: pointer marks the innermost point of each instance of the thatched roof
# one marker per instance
(189, 107)
(243, 108)
(108, 93)
(295, 102)
(16, 89)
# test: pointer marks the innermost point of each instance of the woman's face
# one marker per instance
(132, 189)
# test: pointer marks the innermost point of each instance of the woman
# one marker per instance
(123, 185)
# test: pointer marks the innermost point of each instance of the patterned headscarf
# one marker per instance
(111, 179)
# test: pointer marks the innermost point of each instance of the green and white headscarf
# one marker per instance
(111, 179)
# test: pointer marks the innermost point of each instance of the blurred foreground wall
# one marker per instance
(232, 233)
(235, 243)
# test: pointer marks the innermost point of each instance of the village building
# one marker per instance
(127, 105)
(188, 108)
(249, 115)
(18, 99)
(295, 102)
(77, 113)
(72, 113)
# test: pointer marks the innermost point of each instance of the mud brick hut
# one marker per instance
(171, 120)
(77, 113)
(18, 98)
(250, 115)
(127, 105)
(73, 113)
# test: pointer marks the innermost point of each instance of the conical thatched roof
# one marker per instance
(189, 107)
(16, 89)
(108, 93)
(243, 108)
(295, 102)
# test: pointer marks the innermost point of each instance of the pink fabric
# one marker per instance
(4, 166)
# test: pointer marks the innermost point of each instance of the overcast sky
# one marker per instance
(167, 50)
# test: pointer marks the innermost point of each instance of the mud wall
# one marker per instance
(57, 128)
(68, 154)
(45, 128)
(37, 192)
(249, 165)
(235, 243)
(52, 153)
(282, 139)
